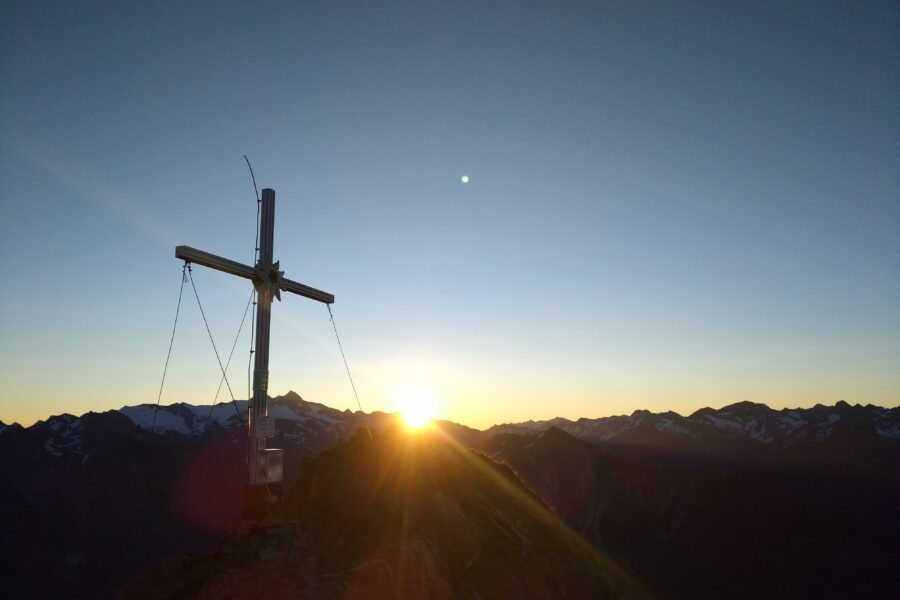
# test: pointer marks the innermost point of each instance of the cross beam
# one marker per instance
(199, 257)
(265, 465)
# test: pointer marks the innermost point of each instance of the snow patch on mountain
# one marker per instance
(148, 417)
(790, 420)
(886, 422)
(757, 431)
(666, 425)
(722, 423)
(65, 435)
(287, 414)
(191, 420)
(310, 411)
(224, 414)
(186, 419)
(824, 429)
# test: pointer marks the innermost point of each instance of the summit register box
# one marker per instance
(271, 464)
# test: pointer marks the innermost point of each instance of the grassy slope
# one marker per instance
(400, 516)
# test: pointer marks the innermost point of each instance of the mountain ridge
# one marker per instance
(654, 490)
(742, 420)
(756, 421)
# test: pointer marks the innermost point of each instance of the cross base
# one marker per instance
(259, 500)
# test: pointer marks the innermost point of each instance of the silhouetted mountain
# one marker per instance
(821, 523)
(398, 515)
(740, 428)
(742, 500)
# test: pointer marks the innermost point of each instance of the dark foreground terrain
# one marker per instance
(398, 515)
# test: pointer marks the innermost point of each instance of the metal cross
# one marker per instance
(265, 464)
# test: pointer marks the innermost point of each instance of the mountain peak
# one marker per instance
(745, 406)
(291, 397)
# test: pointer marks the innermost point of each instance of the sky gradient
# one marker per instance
(670, 205)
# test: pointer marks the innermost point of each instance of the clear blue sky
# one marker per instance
(670, 205)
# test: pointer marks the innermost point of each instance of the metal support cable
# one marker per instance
(227, 364)
(346, 366)
(169, 353)
(219, 360)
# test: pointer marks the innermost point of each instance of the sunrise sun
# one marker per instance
(417, 405)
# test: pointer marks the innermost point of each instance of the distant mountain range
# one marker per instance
(738, 501)
(743, 422)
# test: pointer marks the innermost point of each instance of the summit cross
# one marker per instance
(265, 465)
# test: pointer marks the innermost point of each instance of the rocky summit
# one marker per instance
(397, 515)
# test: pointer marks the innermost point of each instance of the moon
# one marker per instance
(464, 179)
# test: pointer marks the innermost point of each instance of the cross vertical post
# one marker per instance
(259, 407)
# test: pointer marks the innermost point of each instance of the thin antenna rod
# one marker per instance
(253, 177)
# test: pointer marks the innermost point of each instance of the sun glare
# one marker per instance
(417, 405)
